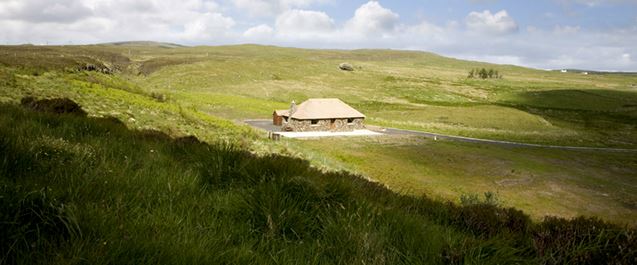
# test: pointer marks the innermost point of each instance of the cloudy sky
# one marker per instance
(546, 34)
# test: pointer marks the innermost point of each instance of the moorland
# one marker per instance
(128, 185)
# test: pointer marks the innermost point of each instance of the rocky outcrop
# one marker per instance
(346, 67)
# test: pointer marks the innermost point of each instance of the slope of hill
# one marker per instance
(89, 190)
(404, 89)
(207, 91)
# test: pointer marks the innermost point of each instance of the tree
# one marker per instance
(484, 73)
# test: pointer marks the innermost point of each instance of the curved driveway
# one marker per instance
(267, 125)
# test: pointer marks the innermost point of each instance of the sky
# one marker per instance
(544, 34)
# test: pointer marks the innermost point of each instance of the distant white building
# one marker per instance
(564, 71)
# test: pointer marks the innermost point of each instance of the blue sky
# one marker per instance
(540, 13)
(546, 34)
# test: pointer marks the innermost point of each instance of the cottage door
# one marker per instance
(332, 124)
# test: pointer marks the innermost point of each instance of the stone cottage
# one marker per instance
(319, 114)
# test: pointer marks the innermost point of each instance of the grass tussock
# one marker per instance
(55, 105)
(89, 190)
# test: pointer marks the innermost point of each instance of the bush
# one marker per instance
(490, 198)
(584, 241)
(55, 105)
(486, 220)
(158, 96)
(484, 74)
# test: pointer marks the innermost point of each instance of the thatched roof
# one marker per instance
(322, 108)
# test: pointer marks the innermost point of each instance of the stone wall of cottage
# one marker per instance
(339, 125)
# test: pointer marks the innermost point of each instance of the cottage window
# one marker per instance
(314, 122)
(286, 119)
(350, 121)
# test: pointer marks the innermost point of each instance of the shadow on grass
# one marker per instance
(328, 217)
(602, 100)
(608, 117)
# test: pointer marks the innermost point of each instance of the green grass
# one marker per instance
(248, 81)
(196, 90)
(104, 95)
(543, 182)
(208, 91)
(90, 190)
(432, 91)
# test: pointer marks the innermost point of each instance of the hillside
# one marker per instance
(119, 177)
(89, 190)
(404, 89)
(207, 91)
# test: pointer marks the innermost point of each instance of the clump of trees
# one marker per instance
(484, 73)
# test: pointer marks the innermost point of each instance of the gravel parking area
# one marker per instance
(268, 126)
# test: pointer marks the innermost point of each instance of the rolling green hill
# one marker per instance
(203, 91)
(208, 91)
(404, 89)
(77, 190)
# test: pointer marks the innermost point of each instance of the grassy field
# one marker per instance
(208, 91)
(404, 89)
(77, 190)
(411, 90)
(541, 181)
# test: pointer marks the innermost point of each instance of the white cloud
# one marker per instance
(566, 29)
(430, 33)
(184, 21)
(626, 59)
(499, 59)
(372, 19)
(592, 3)
(43, 10)
(259, 32)
(485, 22)
(302, 24)
(272, 7)
(207, 26)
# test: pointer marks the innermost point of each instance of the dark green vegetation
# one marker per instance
(484, 73)
(130, 185)
(91, 191)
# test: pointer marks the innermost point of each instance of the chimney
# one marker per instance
(292, 107)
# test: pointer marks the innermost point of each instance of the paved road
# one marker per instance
(267, 125)
(264, 124)
(393, 131)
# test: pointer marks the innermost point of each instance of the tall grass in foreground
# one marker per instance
(77, 190)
